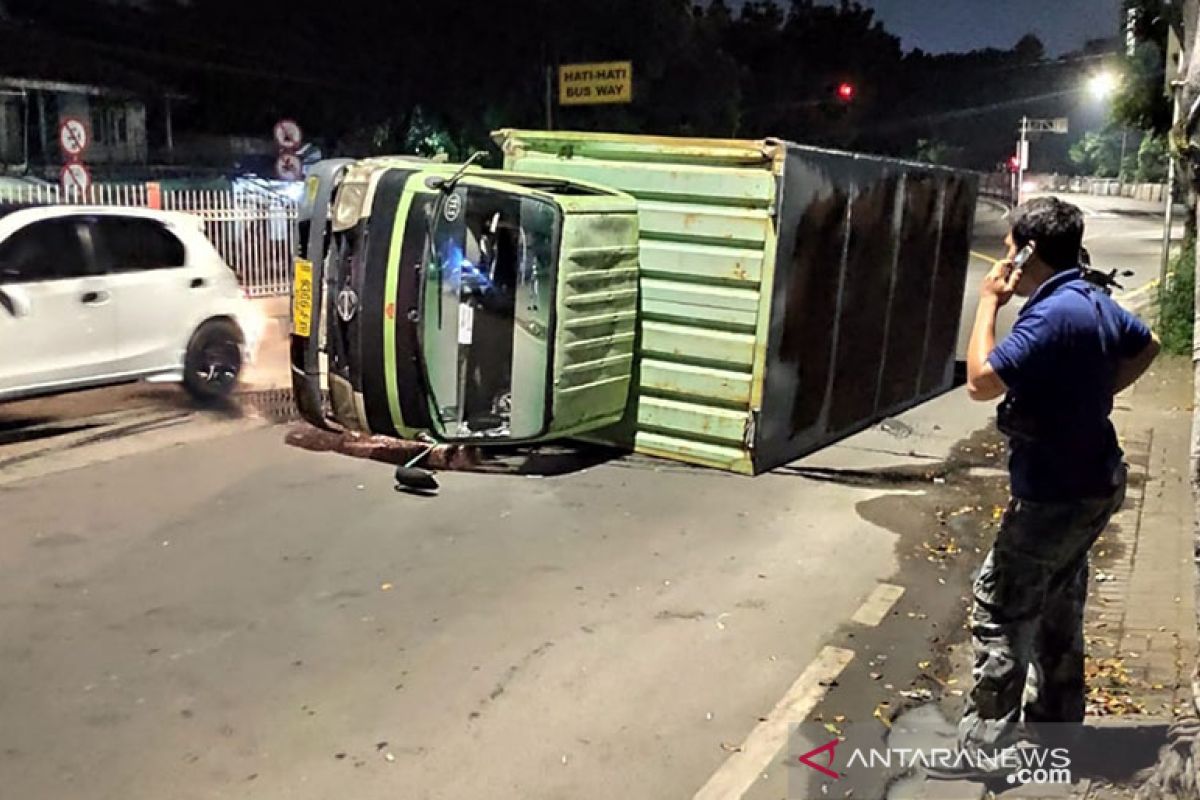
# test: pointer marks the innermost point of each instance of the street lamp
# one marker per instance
(1103, 85)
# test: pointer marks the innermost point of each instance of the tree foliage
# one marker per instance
(1098, 155)
(1142, 101)
(377, 75)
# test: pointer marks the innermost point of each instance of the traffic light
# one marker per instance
(1014, 164)
(846, 92)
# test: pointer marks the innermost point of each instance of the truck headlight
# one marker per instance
(348, 209)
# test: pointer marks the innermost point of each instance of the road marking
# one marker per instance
(876, 607)
(988, 259)
(742, 769)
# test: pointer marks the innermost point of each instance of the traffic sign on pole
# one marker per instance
(73, 137)
(75, 179)
(288, 135)
(289, 167)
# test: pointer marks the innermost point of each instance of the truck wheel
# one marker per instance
(213, 361)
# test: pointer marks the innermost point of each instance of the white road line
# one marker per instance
(878, 605)
(742, 769)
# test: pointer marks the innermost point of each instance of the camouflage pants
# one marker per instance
(1029, 599)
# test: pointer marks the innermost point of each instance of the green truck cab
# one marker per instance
(461, 304)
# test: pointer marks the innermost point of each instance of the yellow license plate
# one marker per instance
(302, 298)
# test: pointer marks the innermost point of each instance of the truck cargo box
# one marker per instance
(790, 296)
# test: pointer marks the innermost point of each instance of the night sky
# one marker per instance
(938, 26)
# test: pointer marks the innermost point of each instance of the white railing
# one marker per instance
(255, 235)
(254, 231)
(100, 194)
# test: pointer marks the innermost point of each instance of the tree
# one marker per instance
(1152, 160)
(1142, 101)
(936, 151)
(1098, 155)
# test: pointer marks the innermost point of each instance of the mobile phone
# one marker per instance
(1023, 257)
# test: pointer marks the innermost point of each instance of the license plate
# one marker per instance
(302, 298)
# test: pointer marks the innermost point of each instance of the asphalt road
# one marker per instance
(229, 616)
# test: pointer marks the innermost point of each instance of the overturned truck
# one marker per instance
(733, 304)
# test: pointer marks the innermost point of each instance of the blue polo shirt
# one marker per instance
(1060, 362)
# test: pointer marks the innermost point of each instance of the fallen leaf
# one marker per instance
(387, 587)
(731, 748)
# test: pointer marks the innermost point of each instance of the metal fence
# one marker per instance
(253, 230)
(255, 234)
(100, 194)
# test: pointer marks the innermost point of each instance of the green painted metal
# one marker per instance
(597, 315)
(597, 291)
(707, 251)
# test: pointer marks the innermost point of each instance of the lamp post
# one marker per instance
(1102, 86)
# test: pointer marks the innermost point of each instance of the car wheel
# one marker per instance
(213, 360)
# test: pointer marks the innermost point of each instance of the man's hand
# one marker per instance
(982, 381)
(1000, 283)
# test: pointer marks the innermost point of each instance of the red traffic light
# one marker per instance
(846, 92)
(1014, 164)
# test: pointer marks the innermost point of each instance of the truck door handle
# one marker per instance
(97, 298)
(198, 283)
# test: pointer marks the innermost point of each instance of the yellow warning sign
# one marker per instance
(591, 84)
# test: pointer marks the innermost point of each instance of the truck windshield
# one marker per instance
(487, 304)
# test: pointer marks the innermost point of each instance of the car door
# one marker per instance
(154, 290)
(57, 325)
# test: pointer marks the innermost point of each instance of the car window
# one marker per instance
(43, 251)
(131, 244)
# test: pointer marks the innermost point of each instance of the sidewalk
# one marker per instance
(1140, 623)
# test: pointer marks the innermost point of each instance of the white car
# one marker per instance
(92, 296)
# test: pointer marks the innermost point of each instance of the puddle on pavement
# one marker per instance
(923, 728)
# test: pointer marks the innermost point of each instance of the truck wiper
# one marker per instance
(445, 186)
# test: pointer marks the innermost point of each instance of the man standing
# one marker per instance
(1072, 348)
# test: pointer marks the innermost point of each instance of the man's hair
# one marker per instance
(1057, 227)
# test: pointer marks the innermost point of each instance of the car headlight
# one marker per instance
(349, 206)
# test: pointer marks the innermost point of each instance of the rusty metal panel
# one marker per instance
(867, 299)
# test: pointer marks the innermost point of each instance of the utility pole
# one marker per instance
(1121, 164)
(1022, 159)
(1174, 67)
(1169, 201)
(549, 97)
